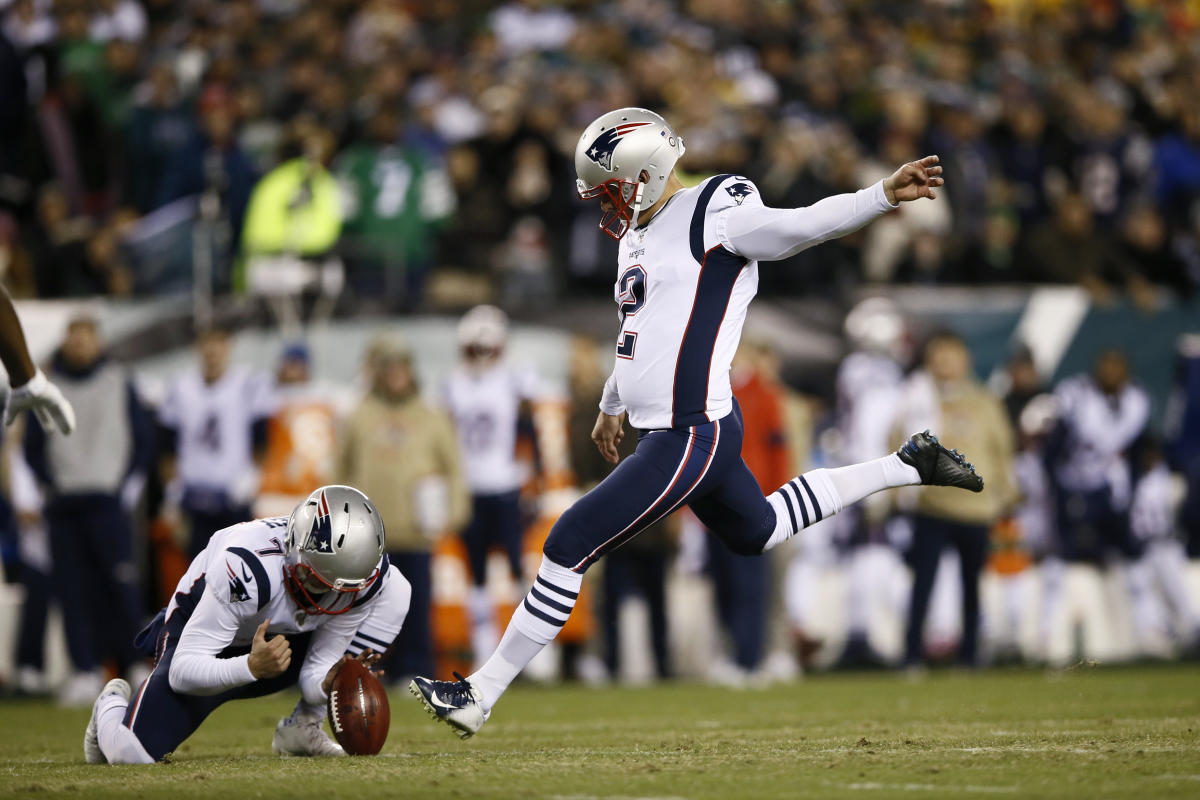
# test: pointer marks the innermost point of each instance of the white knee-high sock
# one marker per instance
(821, 493)
(534, 625)
(483, 624)
(119, 744)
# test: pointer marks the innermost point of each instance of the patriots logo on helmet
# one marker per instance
(237, 588)
(320, 540)
(739, 191)
(601, 150)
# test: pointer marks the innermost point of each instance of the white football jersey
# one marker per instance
(684, 282)
(214, 423)
(237, 581)
(682, 299)
(1100, 429)
(485, 405)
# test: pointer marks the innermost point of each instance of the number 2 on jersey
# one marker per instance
(631, 298)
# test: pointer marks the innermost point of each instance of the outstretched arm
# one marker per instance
(771, 234)
(14, 353)
(31, 390)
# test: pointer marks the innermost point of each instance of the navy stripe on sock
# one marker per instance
(372, 639)
(543, 616)
(547, 601)
(812, 496)
(791, 509)
(553, 588)
(800, 500)
(360, 645)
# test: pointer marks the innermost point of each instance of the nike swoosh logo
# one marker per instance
(246, 575)
(437, 701)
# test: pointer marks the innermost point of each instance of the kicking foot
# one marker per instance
(304, 737)
(91, 737)
(938, 466)
(456, 703)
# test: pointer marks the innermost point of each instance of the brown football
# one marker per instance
(358, 710)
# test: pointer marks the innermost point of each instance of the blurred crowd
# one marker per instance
(1081, 545)
(417, 149)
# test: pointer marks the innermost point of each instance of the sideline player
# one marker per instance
(266, 605)
(688, 268)
(488, 399)
(30, 389)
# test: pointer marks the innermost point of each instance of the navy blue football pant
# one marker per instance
(412, 652)
(204, 523)
(700, 466)
(930, 537)
(31, 636)
(630, 572)
(91, 542)
(741, 585)
(495, 522)
(1090, 525)
(162, 718)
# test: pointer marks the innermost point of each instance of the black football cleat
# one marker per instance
(456, 703)
(938, 466)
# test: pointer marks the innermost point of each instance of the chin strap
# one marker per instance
(636, 208)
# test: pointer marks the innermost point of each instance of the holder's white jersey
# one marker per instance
(684, 282)
(485, 405)
(237, 581)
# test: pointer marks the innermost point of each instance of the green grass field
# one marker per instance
(1093, 733)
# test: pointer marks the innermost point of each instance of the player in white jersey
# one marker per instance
(488, 399)
(266, 605)
(214, 421)
(687, 270)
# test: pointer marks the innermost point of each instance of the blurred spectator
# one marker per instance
(34, 565)
(1100, 419)
(1069, 249)
(396, 199)
(490, 402)
(214, 431)
(292, 226)
(211, 165)
(869, 389)
(301, 436)
(1183, 436)
(1022, 383)
(742, 584)
(947, 398)
(1153, 514)
(57, 245)
(402, 452)
(159, 127)
(92, 480)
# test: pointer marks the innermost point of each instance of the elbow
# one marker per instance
(176, 677)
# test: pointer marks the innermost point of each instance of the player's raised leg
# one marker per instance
(921, 461)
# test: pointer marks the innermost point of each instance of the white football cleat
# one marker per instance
(304, 737)
(91, 737)
(456, 703)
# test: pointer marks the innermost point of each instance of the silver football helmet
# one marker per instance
(483, 332)
(611, 156)
(335, 540)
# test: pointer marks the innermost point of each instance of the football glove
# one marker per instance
(45, 400)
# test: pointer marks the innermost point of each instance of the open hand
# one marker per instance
(369, 659)
(269, 658)
(607, 434)
(914, 180)
(45, 400)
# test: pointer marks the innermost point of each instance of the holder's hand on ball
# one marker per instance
(369, 659)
